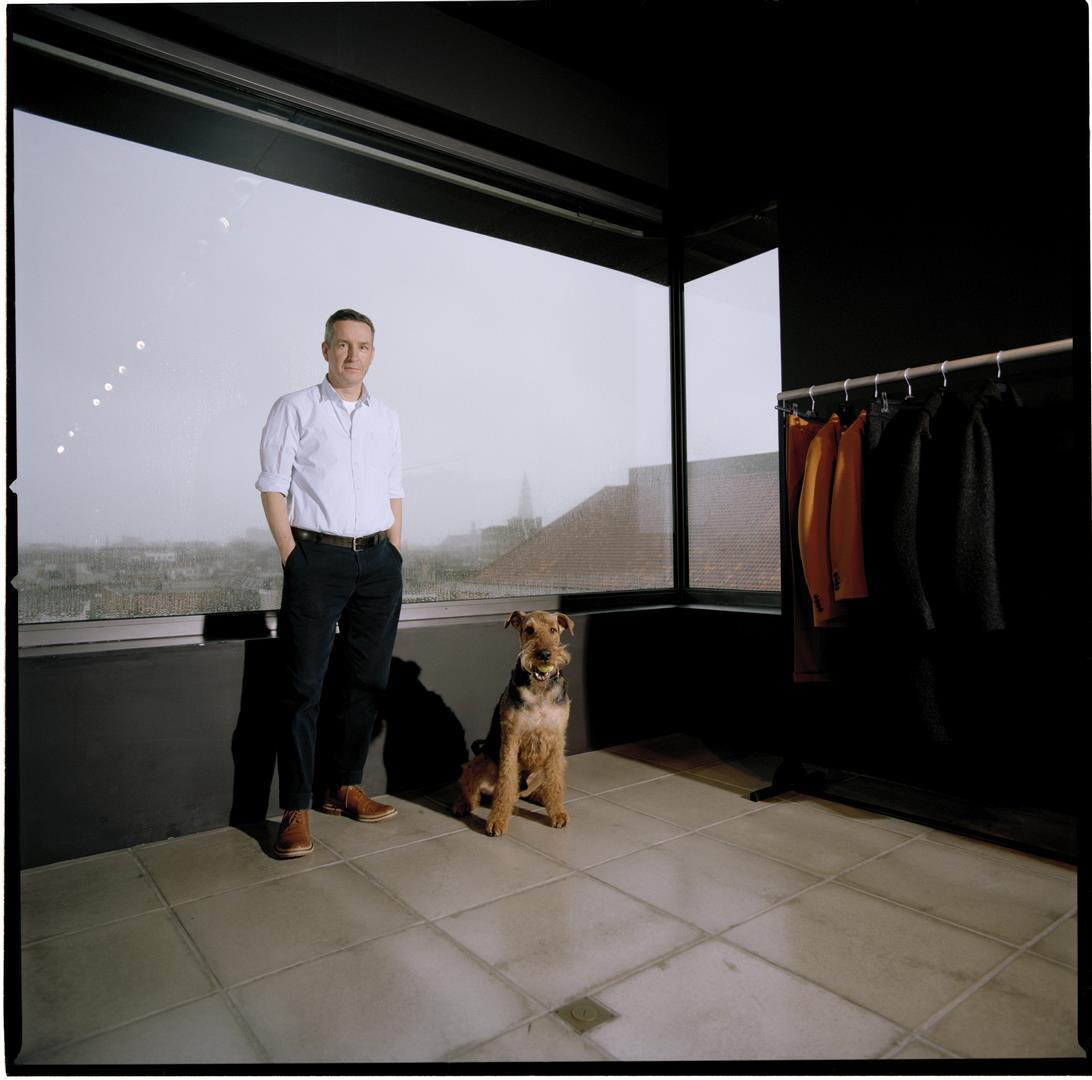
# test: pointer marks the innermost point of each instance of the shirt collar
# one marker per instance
(327, 391)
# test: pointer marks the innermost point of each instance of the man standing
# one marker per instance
(331, 485)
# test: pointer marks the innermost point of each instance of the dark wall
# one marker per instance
(900, 278)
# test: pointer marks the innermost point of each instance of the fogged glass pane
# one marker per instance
(163, 303)
(733, 366)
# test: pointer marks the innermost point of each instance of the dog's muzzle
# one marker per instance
(543, 670)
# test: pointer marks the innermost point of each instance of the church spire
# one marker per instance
(525, 512)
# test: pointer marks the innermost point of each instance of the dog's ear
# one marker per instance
(516, 619)
(563, 620)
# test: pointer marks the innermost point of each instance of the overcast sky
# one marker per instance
(198, 295)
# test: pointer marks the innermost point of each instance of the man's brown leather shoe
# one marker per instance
(352, 802)
(294, 838)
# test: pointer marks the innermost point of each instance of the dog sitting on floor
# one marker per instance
(524, 752)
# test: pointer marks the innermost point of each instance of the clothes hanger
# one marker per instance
(846, 413)
(788, 408)
(879, 400)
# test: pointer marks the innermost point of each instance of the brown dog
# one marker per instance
(524, 752)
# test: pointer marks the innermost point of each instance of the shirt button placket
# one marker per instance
(356, 435)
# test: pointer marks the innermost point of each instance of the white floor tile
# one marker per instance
(328, 960)
(459, 870)
(1028, 1010)
(716, 1003)
(899, 963)
(597, 830)
(559, 940)
(204, 1032)
(253, 931)
(703, 881)
(685, 801)
(820, 837)
(413, 996)
(1060, 944)
(602, 770)
(1003, 899)
(212, 862)
(85, 892)
(77, 985)
(414, 821)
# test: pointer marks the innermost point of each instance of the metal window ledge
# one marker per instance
(107, 635)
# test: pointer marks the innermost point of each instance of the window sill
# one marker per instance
(107, 635)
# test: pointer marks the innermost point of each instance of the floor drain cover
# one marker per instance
(584, 1014)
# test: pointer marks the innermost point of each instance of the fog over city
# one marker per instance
(163, 303)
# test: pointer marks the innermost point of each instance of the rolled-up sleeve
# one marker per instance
(394, 481)
(277, 451)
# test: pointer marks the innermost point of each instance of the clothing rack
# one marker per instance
(791, 774)
(1047, 348)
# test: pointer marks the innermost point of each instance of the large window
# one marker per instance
(733, 370)
(162, 304)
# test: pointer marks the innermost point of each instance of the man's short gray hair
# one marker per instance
(344, 314)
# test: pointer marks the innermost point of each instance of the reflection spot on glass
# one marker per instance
(108, 386)
(95, 401)
(121, 369)
(225, 223)
(60, 449)
(140, 344)
(71, 434)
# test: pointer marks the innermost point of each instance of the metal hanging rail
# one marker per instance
(1004, 356)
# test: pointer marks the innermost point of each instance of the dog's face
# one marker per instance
(541, 653)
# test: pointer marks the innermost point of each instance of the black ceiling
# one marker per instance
(766, 97)
(764, 100)
(620, 44)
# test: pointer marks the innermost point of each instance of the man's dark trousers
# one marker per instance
(326, 586)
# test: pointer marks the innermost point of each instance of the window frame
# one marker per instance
(80, 37)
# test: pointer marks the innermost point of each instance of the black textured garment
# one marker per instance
(892, 516)
(895, 639)
(969, 455)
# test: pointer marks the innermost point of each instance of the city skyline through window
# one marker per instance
(163, 303)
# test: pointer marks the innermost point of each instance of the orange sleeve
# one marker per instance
(798, 436)
(847, 567)
(808, 646)
(814, 521)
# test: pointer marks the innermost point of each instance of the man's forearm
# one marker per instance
(394, 533)
(276, 513)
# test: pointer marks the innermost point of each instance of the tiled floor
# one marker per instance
(712, 927)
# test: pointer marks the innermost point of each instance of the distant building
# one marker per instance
(621, 537)
(463, 543)
(497, 539)
(735, 523)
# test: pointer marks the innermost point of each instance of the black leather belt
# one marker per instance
(354, 542)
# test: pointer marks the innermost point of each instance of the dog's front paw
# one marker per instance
(559, 820)
(495, 827)
(461, 808)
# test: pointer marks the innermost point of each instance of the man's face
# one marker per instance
(349, 353)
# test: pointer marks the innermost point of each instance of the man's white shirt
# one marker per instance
(339, 469)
